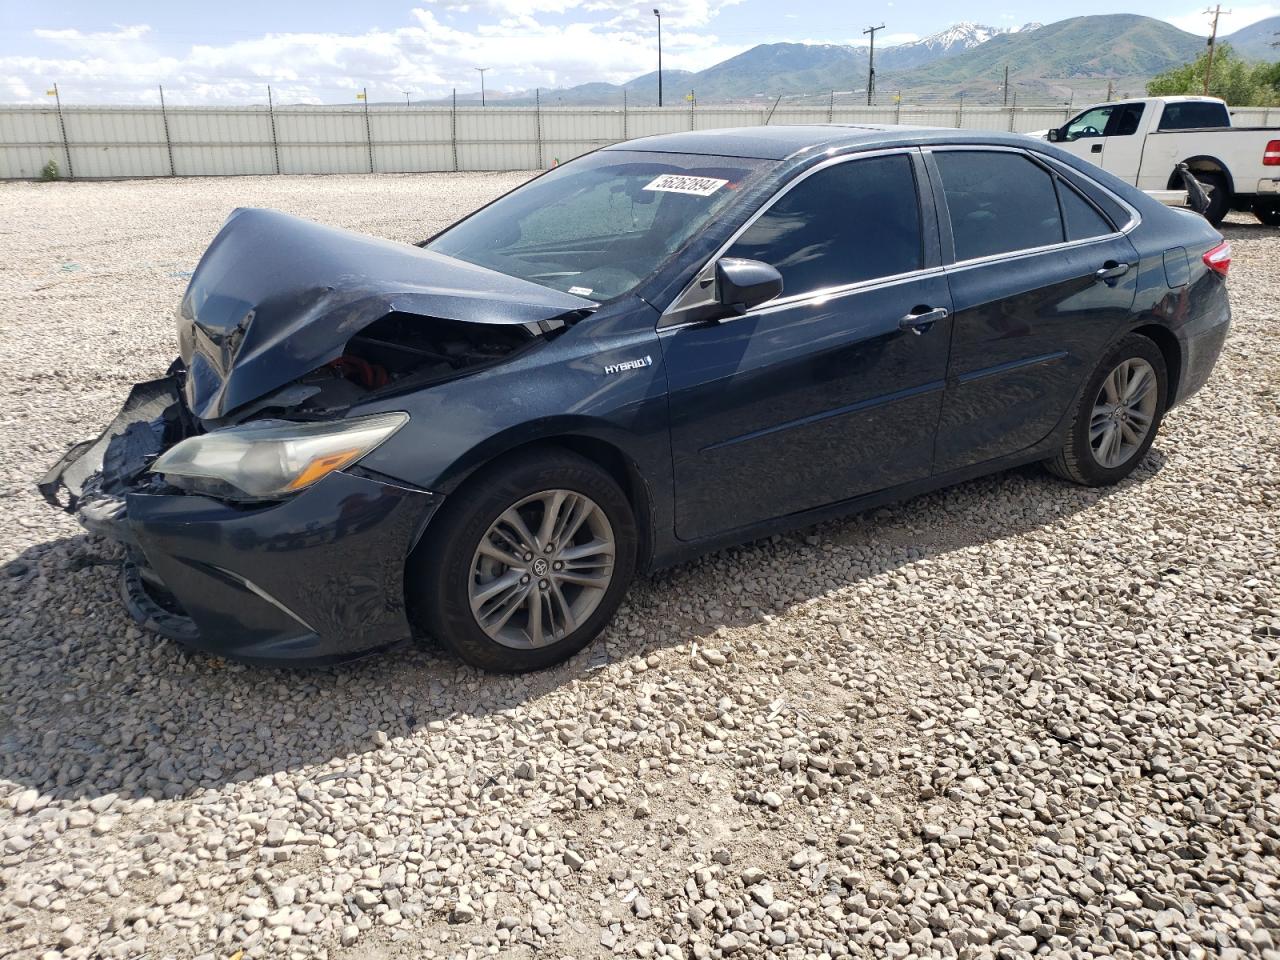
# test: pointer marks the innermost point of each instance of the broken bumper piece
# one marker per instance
(313, 579)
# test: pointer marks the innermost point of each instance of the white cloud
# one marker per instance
(519, 40)
(1237, 18)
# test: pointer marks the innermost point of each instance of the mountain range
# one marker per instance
(1078, 58)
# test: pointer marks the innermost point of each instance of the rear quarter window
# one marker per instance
(1188, 116)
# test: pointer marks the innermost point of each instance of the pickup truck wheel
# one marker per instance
(526, 564)
(1215, 184)
(1268, 213)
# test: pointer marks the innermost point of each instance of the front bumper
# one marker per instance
(313, 579)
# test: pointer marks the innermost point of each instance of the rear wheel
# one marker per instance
(1268, 213)
(1117, 416)
(1215, 184)
(527, 563)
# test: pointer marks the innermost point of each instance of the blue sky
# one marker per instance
(118, 51)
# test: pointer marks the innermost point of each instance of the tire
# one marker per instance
(1267, 213)
(1219, 196)
(1078, 460)
(447, 571)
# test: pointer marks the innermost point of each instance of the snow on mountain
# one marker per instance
(964, 35)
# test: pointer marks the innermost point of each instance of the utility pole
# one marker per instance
(1006, 84)
(1216, 12)
(1111, 86)
(482, 70)
(406, 97)
(871, 64)
(658, 14)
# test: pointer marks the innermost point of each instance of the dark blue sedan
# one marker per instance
(663, 347)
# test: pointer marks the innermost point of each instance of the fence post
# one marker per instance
(368, 128)
(897, 112)
(62, 125)
(537, 109)
(693, 102)
(831, 106)
(960, 113)
(1012, 107)
(271, 114)
(164, 118)
(453, 128)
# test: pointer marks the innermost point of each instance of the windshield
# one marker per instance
(598, 226)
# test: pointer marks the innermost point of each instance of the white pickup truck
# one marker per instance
(1143, 141)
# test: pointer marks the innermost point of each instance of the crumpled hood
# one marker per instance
(275, 296)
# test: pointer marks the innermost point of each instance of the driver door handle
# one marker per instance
(1095, 148)
(920, 319)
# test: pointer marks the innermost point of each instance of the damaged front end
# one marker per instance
(249, 528)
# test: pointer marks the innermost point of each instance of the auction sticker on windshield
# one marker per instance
(697, 186)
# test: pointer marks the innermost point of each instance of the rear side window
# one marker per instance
(1124, 122)
(854, 221)
(1190, 114)
(998, 202)
(1082, 220)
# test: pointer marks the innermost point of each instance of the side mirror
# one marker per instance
(743, 284)
(1055, 135)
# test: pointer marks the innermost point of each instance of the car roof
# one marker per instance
(782, 142)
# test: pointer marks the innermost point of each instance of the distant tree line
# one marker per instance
(1239, 82)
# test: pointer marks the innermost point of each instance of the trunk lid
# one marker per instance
(276, 296)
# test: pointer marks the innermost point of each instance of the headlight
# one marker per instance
(272, 458)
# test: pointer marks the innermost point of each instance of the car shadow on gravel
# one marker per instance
(93, 705)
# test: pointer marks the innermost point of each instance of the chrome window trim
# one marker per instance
(1048, 164)
(1051, 165)
(677, 305)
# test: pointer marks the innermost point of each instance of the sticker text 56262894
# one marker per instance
(675, 183)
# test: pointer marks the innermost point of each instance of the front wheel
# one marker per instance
(1117, 415)
(527, 563)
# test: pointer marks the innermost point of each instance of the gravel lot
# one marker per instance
(1012, 718)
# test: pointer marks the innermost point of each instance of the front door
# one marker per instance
(1042, 280)
(833, 390)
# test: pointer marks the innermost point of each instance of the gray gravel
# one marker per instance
(1009, 719)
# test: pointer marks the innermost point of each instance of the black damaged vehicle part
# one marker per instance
(276, 297)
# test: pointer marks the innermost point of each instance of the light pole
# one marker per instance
(871, 64)
(482, 70)
(659, 16)
(406, 97)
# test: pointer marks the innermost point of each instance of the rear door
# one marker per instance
(834, 389)
(1040, 279)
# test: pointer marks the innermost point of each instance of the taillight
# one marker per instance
(1271, 155)
(1219, 259)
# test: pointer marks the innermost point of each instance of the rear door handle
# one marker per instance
(1110, 272)
(1095, 148)
(920, 319)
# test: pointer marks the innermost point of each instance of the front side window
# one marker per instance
(600, 225)
(999, 202)
(1091, 123)
(855, 221)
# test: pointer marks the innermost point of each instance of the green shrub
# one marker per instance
(50, 171)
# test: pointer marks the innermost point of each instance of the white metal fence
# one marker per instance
(102, 142)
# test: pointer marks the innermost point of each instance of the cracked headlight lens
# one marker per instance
(269, 459)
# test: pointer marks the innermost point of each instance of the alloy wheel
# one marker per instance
(541, 569)
(1123, 412)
